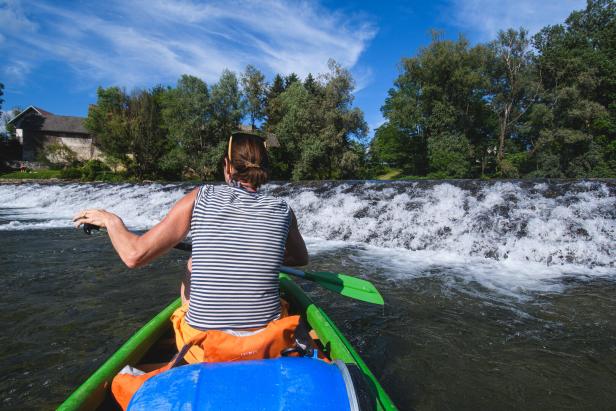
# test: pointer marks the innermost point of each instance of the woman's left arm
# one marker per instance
(138, 250)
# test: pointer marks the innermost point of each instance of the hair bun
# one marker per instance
(248, 164)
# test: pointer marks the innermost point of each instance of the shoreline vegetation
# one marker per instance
(517, 107)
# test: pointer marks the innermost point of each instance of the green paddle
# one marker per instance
(342, 284)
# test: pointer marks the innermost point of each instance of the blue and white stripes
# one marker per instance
(239, 240)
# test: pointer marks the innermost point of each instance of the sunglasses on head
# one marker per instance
(264, 139)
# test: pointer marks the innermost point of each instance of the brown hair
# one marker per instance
(248, 156)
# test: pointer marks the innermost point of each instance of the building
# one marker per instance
(271, 140)
(37, 128)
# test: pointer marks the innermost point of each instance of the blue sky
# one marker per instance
(54, 54)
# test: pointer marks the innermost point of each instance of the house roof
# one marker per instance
(67, 124)
(52, 122)
(271, 139)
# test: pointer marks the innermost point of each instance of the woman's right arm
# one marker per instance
(295, 253)
(138, 250)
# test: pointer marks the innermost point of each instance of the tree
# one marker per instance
(449, 156)
(573, 130)
(296, 130)
(319, 133)
(227, 111)
(290, 79)
(108, 120)
(186, 114)
(128, 128)
(147, 134)
(272, 110)
(440, 93)
(254, 87)
(512, 87)
(342, 122)
(311, 85)
(390, 147)
(199, 121)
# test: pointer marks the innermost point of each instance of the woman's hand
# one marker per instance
(94, 216)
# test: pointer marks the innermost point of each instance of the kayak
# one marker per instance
(343, 382)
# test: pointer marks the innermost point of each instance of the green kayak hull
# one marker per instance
(93, 392)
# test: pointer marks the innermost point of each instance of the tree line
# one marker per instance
(172, 132)
(515, 107)
(518, 106)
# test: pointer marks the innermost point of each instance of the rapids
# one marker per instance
(511, 236)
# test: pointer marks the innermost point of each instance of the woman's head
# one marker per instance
(246, 159)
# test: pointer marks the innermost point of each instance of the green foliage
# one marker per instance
(254, 87)
(442, 91)
(321, 136)
(168, 132)
(71, 173)
(391, 147)
(273, 109)
(186, 115)
(449, 156)
(146, 132)
(543, 112)
(58, 153)
(92, 169)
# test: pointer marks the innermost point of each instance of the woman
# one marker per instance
(240, 238)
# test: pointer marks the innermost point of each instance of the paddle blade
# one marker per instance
(348, 286)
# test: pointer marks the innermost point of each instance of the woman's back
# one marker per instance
(238, 246)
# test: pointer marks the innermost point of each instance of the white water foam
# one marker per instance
(38, 206)
(511, 237)
(501, 221)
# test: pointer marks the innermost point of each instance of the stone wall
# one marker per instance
(36, 141)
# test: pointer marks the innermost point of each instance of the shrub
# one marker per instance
(92, 168)
(70, 173)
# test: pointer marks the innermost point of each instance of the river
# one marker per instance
(499, 295)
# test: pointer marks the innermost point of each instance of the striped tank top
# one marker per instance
(238, 242)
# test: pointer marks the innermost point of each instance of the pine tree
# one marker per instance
(272, 106)
(290, 79)
(311, 85)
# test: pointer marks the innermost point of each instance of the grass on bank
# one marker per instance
(390, 174)
(33, 174)
(92, 170)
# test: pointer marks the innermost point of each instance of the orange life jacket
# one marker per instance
(213, 346)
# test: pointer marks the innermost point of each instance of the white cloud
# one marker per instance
(16, 71)
(363, 76)
(141, 43)
(484, 18)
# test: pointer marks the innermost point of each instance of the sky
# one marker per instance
(54, 54)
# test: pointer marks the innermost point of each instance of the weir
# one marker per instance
(518, 230)
(548, 222)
